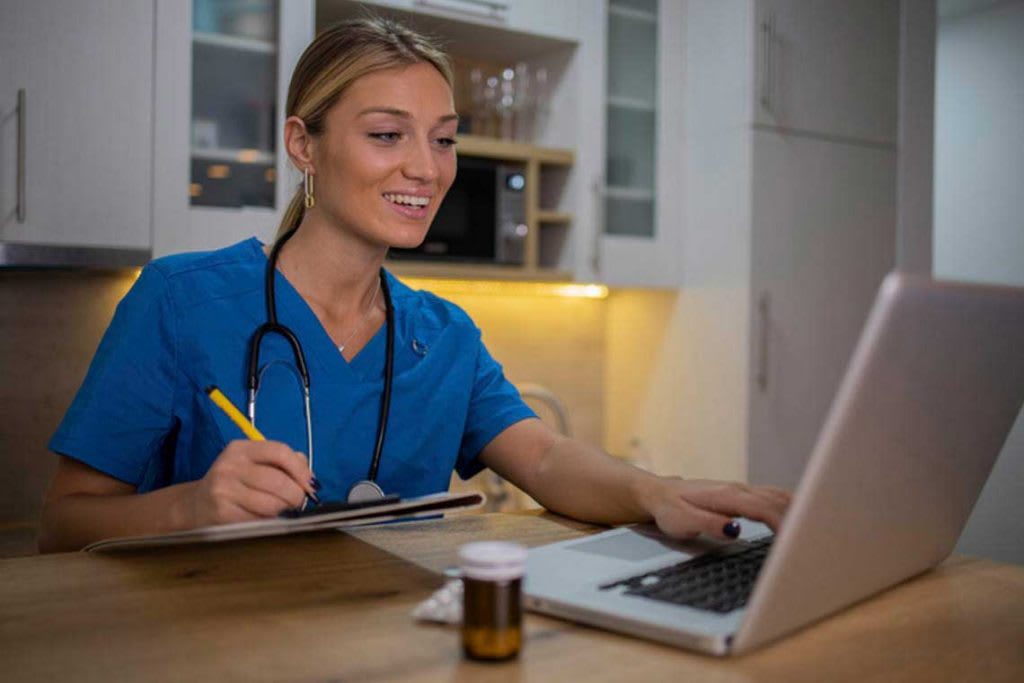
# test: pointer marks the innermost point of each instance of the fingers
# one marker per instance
(740, 500)
(274, 482)
(279, 455)
(261, 504)
(253, 479)
(780, 495)
(687, 521)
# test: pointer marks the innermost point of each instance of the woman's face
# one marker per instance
(386, 157)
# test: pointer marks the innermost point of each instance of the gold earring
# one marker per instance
(307, 183)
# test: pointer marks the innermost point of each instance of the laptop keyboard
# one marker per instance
(719, 581)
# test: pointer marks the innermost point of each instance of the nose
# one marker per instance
(421, 163)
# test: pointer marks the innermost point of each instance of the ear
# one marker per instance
(299, 143)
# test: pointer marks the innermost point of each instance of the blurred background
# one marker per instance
(670, 219)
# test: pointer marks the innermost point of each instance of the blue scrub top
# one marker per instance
(142, 415)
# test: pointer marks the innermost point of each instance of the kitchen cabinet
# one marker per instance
(826, 67)
(788, 234)
(535, 17)
(222, 73)
(822, 239)
(75, 157)
(638, 191)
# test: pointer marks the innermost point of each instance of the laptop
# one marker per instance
(928, 399)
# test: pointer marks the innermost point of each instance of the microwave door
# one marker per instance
(464, 227)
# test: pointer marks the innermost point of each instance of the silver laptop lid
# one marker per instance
(927, 402)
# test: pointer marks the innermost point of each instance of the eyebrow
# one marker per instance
(404, 114)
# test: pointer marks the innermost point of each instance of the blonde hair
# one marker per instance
(338, 57)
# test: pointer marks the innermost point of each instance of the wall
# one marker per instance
(686, 411)
(979, 210)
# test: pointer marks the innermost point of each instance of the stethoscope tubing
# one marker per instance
(272, 326)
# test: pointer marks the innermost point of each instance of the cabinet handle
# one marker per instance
(21, 156)
(764, 311)
(771, 60)
(601, 194)
(763, 96)
(485, 9)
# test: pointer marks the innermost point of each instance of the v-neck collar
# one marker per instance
(366, 366)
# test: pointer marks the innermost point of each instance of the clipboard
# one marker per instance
(346, 516)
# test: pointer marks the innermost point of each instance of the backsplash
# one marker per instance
(52, 321)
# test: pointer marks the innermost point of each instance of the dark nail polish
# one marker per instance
(732, 529)
(315, 483)
(315, 498)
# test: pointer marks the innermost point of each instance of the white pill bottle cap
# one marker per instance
(492, 561)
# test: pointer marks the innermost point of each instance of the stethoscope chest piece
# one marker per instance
(363, 491)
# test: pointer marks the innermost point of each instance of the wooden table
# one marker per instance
(336, 606)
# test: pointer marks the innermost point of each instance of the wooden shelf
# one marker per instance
(239, 43)
(554, 217)
(495, 148)
(238, 156)
(472, 271)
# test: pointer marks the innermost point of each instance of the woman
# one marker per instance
(371, 124)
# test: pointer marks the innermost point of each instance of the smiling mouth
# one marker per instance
(407, 200)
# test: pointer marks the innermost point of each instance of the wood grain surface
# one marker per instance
(335, 606)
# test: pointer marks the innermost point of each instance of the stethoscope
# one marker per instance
(367, 489)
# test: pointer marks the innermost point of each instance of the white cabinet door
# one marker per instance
(828, 66)
(179, 223)
(86, 69)
(641, 215)
(824, 221)
(546, 18)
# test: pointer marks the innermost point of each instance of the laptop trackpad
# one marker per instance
(637, 545)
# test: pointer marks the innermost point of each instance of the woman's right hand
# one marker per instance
(250, 480)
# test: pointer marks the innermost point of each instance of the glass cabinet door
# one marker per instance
(631, 101)
(234, 100)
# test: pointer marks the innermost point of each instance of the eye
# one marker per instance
(386, 137)
(447, 142)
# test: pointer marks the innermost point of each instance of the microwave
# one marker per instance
(482, 218)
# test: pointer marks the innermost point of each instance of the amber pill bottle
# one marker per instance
(492, 576)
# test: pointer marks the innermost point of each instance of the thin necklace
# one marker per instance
(362, 321)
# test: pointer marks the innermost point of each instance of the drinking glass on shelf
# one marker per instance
(489, 109)
(506, 103)
(522, 106)
(539, 101)
(476, 101)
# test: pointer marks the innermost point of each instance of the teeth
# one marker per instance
(407, 199)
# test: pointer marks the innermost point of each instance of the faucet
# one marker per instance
(497, 488)
(551, 400)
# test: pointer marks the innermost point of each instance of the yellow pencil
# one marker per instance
(218, 397)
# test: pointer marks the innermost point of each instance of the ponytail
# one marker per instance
(292, 215)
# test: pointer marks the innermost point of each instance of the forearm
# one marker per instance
(584, 482)
(73, 521)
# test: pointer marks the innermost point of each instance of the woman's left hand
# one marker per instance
(685, 508)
